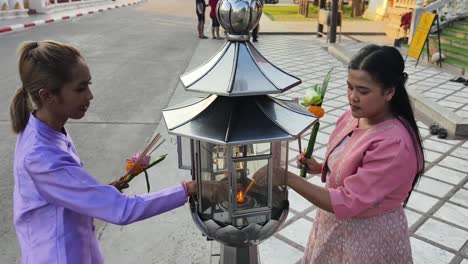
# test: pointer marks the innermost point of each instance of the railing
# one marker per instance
(443, 24)
(405, 3)
(417, 12)
(52, 5)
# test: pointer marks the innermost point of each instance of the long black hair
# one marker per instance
(387, 67)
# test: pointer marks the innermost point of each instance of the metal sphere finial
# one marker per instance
(238, 17)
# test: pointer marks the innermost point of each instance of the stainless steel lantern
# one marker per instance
(235, 142)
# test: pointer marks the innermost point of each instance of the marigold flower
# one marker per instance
(137, 170)
(144, 161)
(317, 111)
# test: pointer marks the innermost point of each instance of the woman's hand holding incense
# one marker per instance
(312, 166)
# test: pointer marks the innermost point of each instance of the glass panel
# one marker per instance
(184, 153)
(236, 190)
(280, 167)
(240, 151)
(214, 182)
(249, 194)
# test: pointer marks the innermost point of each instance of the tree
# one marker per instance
(358, 8)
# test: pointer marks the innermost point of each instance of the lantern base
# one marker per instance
(239, 255)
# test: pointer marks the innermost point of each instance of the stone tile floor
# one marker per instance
(437, 211)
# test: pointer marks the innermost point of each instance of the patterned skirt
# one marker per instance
(378, 239)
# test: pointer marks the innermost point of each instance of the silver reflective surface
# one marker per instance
(249, 79)
(238, 70)
(278, 77)
(230, 120)
(177, 116)
(239, 16)
(195, 75)
(238, 237)
(291, 121)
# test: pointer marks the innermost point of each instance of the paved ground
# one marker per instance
(437, 212)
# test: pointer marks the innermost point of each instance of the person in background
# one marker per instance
(200, 6)
(215, 22)
(255, 32)
(257, 27)
(55, 198)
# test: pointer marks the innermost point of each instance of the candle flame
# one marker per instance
(240, 197)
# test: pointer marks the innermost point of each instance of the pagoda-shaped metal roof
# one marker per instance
(238, 81)
(238, 69)
(227, 120)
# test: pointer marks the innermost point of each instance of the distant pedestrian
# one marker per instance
(200, 6)
(255, 32)
(257, 27)
(55, 198)
(215, 24)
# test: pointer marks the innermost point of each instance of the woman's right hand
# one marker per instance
(191, 188)
(313, 167)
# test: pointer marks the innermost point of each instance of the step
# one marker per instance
(454, 55)
(453, 41)
(456, 62)
(461, 26)
(456, 33)
(454, 52)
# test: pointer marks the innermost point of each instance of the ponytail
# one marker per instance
(42, 65)
(20, 110)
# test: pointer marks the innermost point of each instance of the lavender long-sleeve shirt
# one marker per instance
(56, 200)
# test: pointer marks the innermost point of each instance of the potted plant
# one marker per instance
(405, 24)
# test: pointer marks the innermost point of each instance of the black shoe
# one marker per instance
(254, 40)
(459, 80)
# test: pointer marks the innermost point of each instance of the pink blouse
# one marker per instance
(375, 171)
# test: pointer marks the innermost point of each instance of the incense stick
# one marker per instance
(143, 154)
(251, 184)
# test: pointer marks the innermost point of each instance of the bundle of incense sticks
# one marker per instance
(150, 148)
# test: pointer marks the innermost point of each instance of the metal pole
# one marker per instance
(241, 255)
(438, 40)
(334, 21)
(320, 26)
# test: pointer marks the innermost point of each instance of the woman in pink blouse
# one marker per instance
(373, 161)
(55, 198)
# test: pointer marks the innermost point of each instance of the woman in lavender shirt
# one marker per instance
(55, 198)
